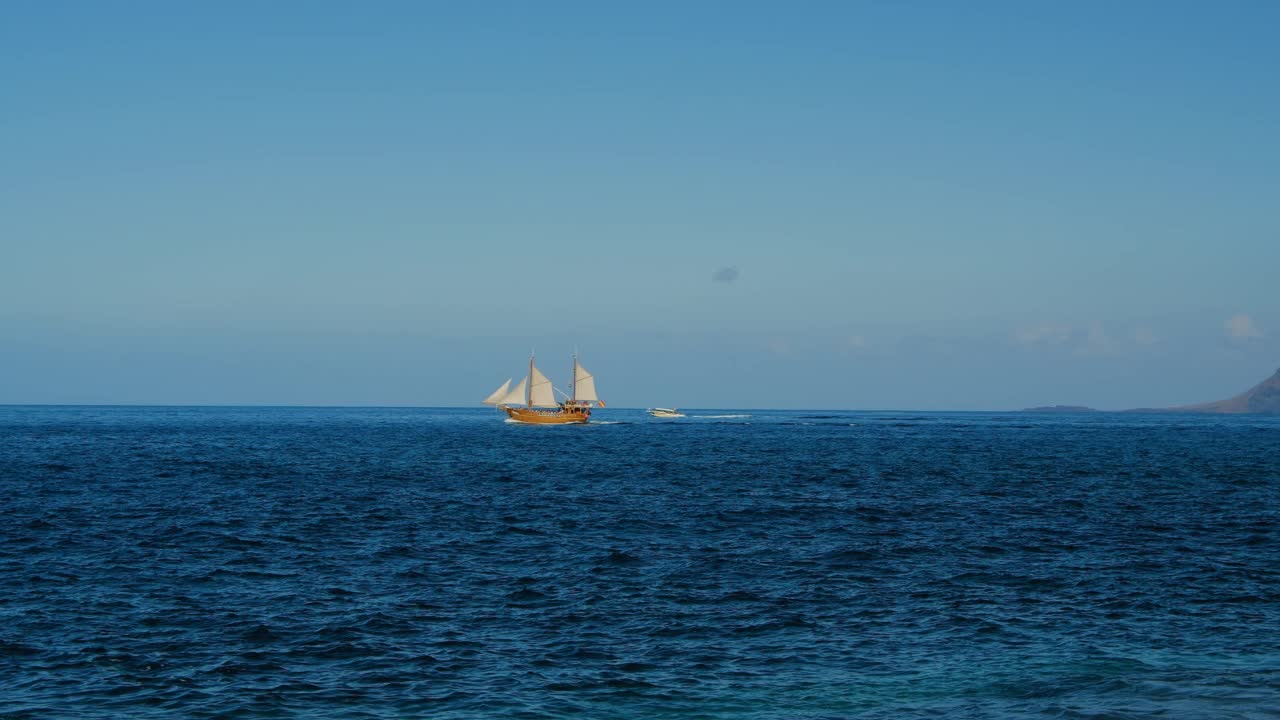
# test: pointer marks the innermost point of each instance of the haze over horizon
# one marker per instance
(872, 206)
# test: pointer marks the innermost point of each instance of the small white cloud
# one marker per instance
(1096, 341)
(1241, 327)
(779, 346)
(1145, 336)
(856, 342)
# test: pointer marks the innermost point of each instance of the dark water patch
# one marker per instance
(849, 557)
(55, 467)
(396, 551)
(261, 634)
(14, 649)
(524, 595)
(620, 557)
(517, 530)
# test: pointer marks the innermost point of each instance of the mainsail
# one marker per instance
(496, 396)
(584, 383)
(516, 396)
(540, 392)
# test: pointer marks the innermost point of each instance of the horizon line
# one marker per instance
(1031, 409)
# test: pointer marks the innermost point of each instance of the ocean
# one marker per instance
(441, 563)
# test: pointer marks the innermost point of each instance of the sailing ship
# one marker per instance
(534, 399)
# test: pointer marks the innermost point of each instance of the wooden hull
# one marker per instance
(547, 417)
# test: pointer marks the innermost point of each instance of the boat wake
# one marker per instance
(721, 417)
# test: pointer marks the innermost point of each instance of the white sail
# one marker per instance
(584, 384)
(540, 392)
(516, 396)
(496, 396)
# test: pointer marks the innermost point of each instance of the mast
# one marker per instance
(573, 378)
(528, 393)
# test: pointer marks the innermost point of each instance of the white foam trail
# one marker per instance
(722, 417)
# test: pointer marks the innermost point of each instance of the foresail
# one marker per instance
(496, 396)
(584, 385)
(516, 396)
(540, 392)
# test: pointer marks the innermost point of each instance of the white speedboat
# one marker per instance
(665, 412)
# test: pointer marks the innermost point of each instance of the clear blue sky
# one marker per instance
(907, 205)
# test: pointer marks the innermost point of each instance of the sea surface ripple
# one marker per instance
(388, 563)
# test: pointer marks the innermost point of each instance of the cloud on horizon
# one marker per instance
(1043, 335)
(1092, 338)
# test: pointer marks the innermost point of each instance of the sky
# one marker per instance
(861, 205)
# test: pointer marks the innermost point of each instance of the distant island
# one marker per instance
(1261, 399)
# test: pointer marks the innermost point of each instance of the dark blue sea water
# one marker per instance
(387, 563)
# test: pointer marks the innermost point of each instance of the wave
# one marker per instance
(405, 560)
